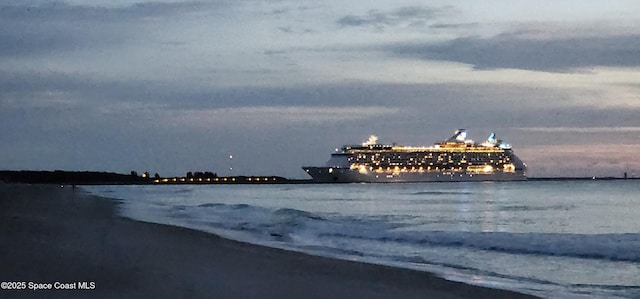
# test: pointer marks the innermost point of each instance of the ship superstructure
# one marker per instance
(456, 159)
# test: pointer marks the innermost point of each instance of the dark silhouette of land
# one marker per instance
(198, 177)
(110, 178)
(69, 177)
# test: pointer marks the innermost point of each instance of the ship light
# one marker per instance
(487, 168)
(396, 169)
(330, 170)
(362, 169)
(509, 167)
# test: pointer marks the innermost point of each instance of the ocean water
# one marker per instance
(555, 239)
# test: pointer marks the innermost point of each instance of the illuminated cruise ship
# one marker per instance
(454, 160)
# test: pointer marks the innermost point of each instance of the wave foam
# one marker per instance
(615, 247)
(288, 224)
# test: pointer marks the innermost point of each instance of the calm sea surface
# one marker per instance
(569, 239)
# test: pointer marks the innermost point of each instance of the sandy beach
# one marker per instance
(55, 237)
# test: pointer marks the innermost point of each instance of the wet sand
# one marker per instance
(50, 234)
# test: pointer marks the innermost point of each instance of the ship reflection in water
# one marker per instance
(454, 160)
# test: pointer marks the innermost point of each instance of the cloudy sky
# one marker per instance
(177, 86)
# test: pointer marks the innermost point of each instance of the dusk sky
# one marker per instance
(177, 86)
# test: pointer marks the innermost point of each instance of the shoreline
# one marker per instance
(65, 235)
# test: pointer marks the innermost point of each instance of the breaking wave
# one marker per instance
(286, 223)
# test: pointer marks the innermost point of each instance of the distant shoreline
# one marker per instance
(580, 179)
(110, 178)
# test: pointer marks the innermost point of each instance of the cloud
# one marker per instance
(72, 12)
(454, 25)
(582, 129)
(516, 51)
(18, 82)
(489, 105)
(404, 16)
(27, 29)
(24, 89)
(270, 116)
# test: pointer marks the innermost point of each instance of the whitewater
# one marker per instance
(555, 239)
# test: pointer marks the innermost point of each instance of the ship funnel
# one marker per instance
(492, 139)
(503, 145)
(373, 139)
(459, 136)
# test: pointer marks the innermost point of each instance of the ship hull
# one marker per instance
(348, 175)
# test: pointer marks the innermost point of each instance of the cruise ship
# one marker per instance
(455, 160)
